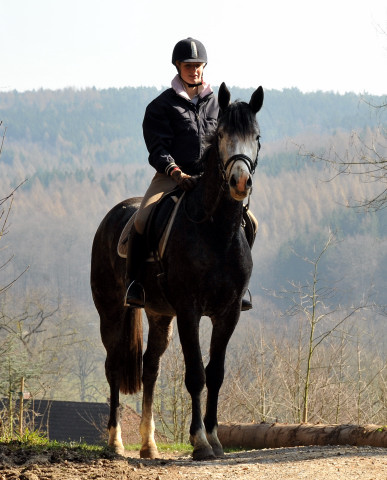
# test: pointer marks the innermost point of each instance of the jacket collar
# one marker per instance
(177, 85)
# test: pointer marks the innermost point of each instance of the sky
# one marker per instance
(330, 45)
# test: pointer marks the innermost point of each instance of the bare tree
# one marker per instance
(250, 388)
(33, 335)
(366, 157)
(86, 361)
(315, 303)
(5, 212)
(171, 399)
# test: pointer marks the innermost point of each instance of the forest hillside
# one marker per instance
(82, 151)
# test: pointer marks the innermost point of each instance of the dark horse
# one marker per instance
(207, 265)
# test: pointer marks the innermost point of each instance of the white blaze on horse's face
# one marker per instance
(238, 140)
(238, 171)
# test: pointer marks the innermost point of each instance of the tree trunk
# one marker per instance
(276, 435)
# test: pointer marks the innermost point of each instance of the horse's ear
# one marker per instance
(224, 97)
(256, 100)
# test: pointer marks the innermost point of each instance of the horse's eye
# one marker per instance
(220, 135)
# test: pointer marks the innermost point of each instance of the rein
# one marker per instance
(208, 215)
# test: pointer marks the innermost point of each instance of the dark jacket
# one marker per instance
(175, 130)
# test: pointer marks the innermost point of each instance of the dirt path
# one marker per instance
(316, 463)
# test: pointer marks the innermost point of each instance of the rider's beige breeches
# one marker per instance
(160, 184)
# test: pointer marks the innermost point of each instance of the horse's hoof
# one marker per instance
(116, 448)
(149, 452)
(218, 451)
(216, 446)
(203, 453)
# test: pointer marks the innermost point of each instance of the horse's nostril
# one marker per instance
(249, 182)
(233, 182)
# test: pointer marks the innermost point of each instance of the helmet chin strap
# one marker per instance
(191, 85)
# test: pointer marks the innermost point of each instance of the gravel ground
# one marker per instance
(316, 463)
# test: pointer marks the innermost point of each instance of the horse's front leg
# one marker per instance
(188, 325)
(223, 328)
(160, 333)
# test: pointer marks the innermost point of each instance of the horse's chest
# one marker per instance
(213, 265)
(208, 257)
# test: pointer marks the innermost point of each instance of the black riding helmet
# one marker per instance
(189, 50)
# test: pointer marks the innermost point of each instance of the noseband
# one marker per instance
(251, 164)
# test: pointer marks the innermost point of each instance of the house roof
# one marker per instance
(80, 421)
(69, 421)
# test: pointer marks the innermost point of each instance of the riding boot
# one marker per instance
(250, 227)
(135, 295)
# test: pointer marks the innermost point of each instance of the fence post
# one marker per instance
(21, 406)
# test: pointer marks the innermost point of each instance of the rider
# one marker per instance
(175, 127)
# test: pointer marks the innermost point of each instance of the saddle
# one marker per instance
(158, 226)
(161, 220)
(160, 223)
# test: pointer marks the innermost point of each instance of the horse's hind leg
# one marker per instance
(160, 333)
(114, 428)
(123, 342)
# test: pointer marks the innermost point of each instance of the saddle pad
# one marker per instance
(122, 247)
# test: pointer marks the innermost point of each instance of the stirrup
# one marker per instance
(135, 298)
(247, 304)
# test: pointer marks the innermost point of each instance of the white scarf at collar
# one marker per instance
(177, 85)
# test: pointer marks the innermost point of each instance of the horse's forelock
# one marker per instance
(238, 119)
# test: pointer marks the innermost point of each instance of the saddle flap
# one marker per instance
(161, 220)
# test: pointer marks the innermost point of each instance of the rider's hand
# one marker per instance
(185, 182)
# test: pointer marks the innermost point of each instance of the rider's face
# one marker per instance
(191, 72)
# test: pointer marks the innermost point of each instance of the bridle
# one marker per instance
(251, 166)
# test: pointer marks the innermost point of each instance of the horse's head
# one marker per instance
(238, 141)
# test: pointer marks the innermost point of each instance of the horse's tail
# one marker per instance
(132, 352)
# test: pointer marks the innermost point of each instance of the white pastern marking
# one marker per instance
(147, 431)
(147, 427)
(115, 439)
